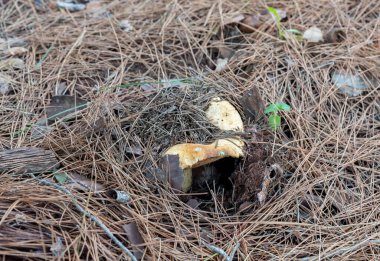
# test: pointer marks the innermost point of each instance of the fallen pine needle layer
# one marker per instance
(147, 86)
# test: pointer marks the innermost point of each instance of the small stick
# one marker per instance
(218, 250)
(234, 250)
(221, 252)
(93, 218)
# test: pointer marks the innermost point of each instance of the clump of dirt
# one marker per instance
(238, 182)
(256, 175)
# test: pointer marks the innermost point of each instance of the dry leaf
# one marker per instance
(126, 25)
(193, 203)
(60, 88)
(253, 104)
(135, 239)
(234, 20)
(11, 42)
(226, 52)
(12, 63)
(221, 64)
(63, 105)
(250, 23)
(313, 35)
(336, 35)
(4, 84)
(16, 51)
(352, 85)
(77, 181)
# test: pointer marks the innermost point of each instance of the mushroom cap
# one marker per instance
(224, 115)
(194, 155)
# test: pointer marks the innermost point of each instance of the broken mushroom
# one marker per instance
(195, 155)
(223, 115)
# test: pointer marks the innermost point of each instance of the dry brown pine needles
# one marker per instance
(324, 206)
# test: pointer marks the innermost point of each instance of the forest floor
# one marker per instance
(90, 100)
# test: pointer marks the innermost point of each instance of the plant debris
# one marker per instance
(12, 63)
(313, 35)
(9, 43)
(16, 51)
(27, 160)
(352, 85)
(336, 35)
(298, 193)
(126, 25)
(253, 104)
(135, 238)
(81, 182)
(64, 105)
(120, 196)
(250, 23)
(4, 84)
(71, 6)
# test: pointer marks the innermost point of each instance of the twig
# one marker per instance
(93, 218)
(221, 252)
(218, 250)
(234, 250)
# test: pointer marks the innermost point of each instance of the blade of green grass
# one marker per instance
(273, 10)
(39, 63)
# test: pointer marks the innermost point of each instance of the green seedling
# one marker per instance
(281, 32)
(38, 65)
(273, 109)
(273, 11)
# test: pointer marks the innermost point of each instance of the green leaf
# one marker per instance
(38, 65)
(294, 31)
(275, 13)
(278, 21)
(283, 106)
(297, 34)
(271, 108)
(60, 177)
(274, 121)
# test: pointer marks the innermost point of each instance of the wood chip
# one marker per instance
(27, 160)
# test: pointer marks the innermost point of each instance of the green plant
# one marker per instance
(281, 32)
(273, 11)
(273, 109)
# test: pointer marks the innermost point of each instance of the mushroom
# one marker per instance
(223, 115)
